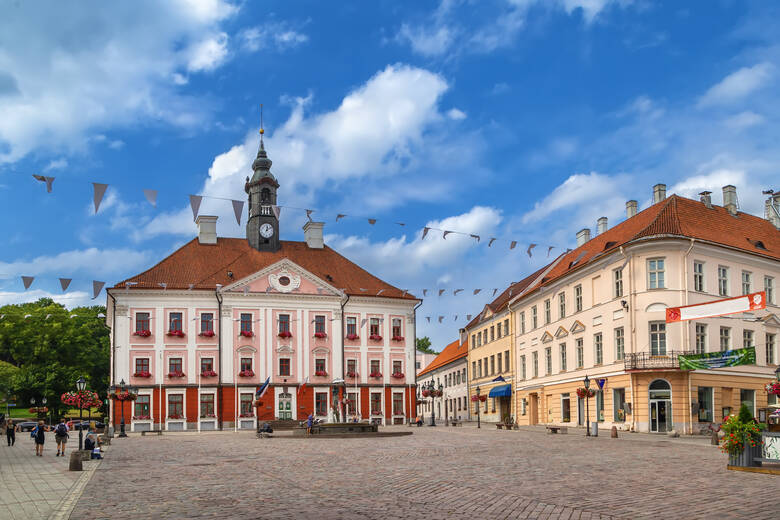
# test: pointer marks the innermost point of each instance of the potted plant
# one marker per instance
(208, 416)
(352, 337)
(246, 373)
(142, 373)
(398, 375)
(176, 333)
(207, 334)
(143, 333)
(246, 333)
(583, 392)
(375, 337)
(141, 417)
(376, 374)
(246, 414)
(175, 416)
(742, 439)
(320, 335)
(285, 334)
(176, 373)
(352, 373)
(427, 393)
(397, 338)
(320, 373)
(208, 373)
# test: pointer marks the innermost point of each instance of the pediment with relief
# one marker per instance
(322, 351)
(561, 333)
(547, 337)
(284, 349)
(577, 326)
(283, 277)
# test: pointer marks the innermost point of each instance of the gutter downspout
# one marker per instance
(113, 354)
(686, 337)
(415, 354)
(632, 327)
(219, 387)
(344, 362)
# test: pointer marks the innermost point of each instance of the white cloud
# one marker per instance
(456, 114)
(427, 41)
(382, 128)
(70, 299)
(277, 34)
(738, 85)
(56, 164)
(209, 53)
(98, 64)
(93, 263)
(499, 88)
(745, 119)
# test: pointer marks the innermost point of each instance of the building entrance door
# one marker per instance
(660, 416)
(504, 405)
(285, 407)
(580, 411)
(533, 409)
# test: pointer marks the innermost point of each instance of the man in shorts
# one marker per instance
(61, 436)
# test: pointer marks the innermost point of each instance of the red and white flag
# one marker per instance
(303, 385)
(748, 302)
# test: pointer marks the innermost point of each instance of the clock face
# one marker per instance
(267, 230)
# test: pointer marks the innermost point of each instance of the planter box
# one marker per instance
(176, 426)
(208, 425)
(745, 459)
(142, 426)
(246, 424)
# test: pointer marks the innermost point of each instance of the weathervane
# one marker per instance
(261, 125)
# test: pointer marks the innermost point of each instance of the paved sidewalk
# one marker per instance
(35, 487)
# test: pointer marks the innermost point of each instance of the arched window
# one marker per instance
(660, 389)
(265, 195)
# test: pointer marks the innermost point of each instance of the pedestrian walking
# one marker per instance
(61, 436)
(309, 423)
(10, 432)
(40, 438)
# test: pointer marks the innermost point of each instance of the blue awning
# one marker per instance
(501, 391)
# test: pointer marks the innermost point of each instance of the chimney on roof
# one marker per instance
(730, 199)
(312, 233)
(583, 235)
(706, 198)
(631, 207)
(601, 225)
(659, 193)
(772, 209)
(207, 229)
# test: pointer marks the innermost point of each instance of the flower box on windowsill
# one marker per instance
(352, 374)
(398, 338)
(285, 334)
(208, 416)
(246, 373)
(320, 373)
(208, 373)
(320, 335)
(375, 374)
(207, 334)
(375, 337)
(176, 373)
(143, 333)
(474, 398)
(321, 414)
(245, 415)
(143, 373)
(398, 375)
(176, 333)
(246, 333)
(141, 418)
(175, 416)
(376, 412)
(353, 337)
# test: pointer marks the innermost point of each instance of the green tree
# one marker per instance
(424, 345)
(51, 347)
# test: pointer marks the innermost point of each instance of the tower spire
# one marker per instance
(262, 131)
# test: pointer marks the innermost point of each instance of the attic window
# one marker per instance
(758, 244)
(579, 257)
(328, 277)
(609, 245)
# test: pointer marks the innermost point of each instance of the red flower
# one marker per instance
(143, 333)
(246, 333)
(352, 337)
(320, 335)
(176, 333)
(246, 373)
(176, 373)
(320, 373)
(207, 334)
(143, 373)
(285, 334)
(375, 374)
(375, 337)
(398, 375)
(398, 338)
(352, 373)
(208, 373)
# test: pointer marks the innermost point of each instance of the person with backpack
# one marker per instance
(61, 436)
(10, 432)
(40, 437)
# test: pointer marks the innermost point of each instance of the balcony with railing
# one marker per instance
(648, 361)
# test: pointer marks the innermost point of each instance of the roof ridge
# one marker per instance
(662, 213)
(155, 265)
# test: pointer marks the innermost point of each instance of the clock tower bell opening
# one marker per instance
(262, 227)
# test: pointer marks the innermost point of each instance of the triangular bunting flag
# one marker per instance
(530, 248)
(475, 236)
(513, 244)
(444, 236)
(425, 292)
(27, 281)
(339, 216)
(372, 221)
(96, 288)
(476, 291)
(425, 233)
(550, 248)
(238, 208)
(47, 180)
(151, 196)
(380, 292)
(495, 291)
(64, 283)
(468, 317)
(195, 201)
(456, 291)
(428, 318)
(99, 190)
(363, 323)
(441, 318)
(441, 291)
(456, 317)
(277, 211)
(491, 242)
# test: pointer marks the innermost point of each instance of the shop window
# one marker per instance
(565, 408)
(706, 404)
(619, 404)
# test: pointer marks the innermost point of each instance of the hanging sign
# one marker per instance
(747, 302)
(709, 360)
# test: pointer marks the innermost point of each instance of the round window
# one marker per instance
(284, 280)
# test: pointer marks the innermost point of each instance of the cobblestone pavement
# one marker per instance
(33, 487)
(435, 473)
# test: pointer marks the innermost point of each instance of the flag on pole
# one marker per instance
(261, 391)
(303, 385)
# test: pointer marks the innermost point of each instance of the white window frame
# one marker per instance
(698, 276)
(598, 349)
(617, 283)
(580, 352)
(727, 336)
(656, 278)
(562, 356)
(723, 280)
(769, 289)
(620, 343)
(660, 330)
(578, 298)
(747, 282)
(700, 332)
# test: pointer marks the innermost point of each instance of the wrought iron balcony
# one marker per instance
(648, 361)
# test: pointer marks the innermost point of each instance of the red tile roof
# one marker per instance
(206, 265)
(451, 352)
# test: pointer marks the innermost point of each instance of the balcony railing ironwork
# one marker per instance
(648, 361)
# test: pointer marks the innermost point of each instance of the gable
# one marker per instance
(577, 326)
(561, 332)
(547, 337)
(283, 277)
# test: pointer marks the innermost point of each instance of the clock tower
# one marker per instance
(262, 228)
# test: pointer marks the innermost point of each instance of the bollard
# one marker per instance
(75, 461)
(614, 432)
(714, 439)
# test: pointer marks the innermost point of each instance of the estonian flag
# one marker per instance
(261, 391)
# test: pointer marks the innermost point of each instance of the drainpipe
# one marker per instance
(686, 337)
(219, 387)
(113, 354)
(415, 353)
(632, 328)
(344, 361)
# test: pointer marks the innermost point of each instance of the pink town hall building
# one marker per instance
(200, 332)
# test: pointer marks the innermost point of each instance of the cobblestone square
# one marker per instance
(435, 473)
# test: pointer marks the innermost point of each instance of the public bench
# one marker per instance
(557, 429)
(456, 422)
(151, 432)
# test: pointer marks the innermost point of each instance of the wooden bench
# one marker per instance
(455, 422)
(557, 429)
(150, 432)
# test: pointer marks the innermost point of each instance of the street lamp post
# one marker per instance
(441, 394)
(43, 402)
(478, 401)
(81, 384)
(586, 382)
(122, 407)
(432, 389)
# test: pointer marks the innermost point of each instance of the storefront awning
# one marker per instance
(501, 391)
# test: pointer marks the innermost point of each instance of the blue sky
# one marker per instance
(517, 119)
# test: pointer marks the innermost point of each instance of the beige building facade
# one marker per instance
(599, 311)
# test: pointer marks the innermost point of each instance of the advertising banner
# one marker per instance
(729, 358)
